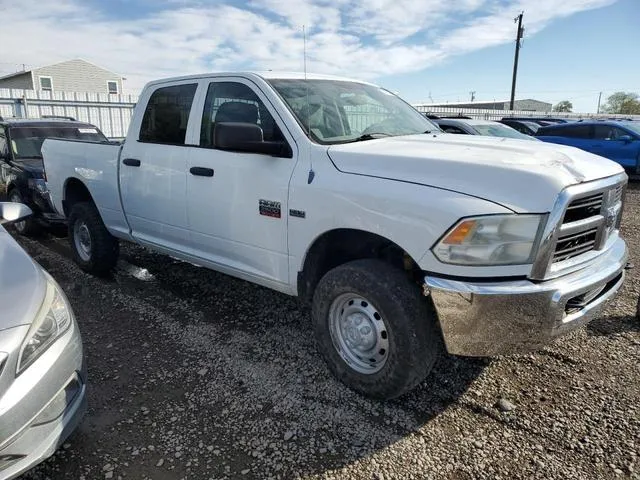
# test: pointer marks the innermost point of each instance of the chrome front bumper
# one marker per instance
(495, 318)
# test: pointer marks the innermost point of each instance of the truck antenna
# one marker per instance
(312, 174)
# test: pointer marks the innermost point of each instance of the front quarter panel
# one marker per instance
(412, 216)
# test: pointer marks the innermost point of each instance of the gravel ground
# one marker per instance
(197, 375)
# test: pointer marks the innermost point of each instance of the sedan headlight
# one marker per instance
(491, 240)
(52, 321)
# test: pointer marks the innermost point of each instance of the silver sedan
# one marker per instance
(42, 368)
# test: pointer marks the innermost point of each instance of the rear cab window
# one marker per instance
(166, 115)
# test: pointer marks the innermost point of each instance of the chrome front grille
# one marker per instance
(583, 208)
(584, 218)
(575, 244)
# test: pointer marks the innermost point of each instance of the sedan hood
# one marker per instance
(521, 175)
(22, 284)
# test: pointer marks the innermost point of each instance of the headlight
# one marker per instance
(37, 184)
(491, 240)
(52, 321)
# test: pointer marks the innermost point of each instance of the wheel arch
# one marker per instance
(341, 245)
(74, 191)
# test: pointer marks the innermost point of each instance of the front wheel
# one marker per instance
(94, 249)
(377, 335)
(25, 227)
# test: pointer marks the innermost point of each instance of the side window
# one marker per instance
(452, 129)
(607, 132)
(167, 114)
(573, 131)
(235, 102)
(3, 142)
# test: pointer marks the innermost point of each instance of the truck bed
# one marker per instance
(96, 166)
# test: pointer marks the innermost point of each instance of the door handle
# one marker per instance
(201, 171)
(131, 162)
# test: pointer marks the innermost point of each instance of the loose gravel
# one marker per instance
(194, 374)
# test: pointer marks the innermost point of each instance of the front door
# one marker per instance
(153, 178)
(238, 202)
(608, 143)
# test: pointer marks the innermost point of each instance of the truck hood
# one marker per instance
(22, 284)
(521, 175)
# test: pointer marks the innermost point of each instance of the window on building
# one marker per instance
(235, 102)
(167, 114)
(113, 88)
(46, 84)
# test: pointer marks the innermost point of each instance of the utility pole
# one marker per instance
(519, 35)
(599, 98)
(473, 95)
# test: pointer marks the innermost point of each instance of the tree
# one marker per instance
(563, 106)
(626, 103)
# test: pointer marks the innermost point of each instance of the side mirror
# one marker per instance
(626, 138)
(11, 212)
(246, 137)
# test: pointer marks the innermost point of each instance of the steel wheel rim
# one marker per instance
(82, 240)
(19, 226)
(359, 333)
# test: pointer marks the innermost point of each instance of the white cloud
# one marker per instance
(357, 38)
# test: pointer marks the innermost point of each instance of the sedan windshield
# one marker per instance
(333, 111)
(26, 141)
(499, 130)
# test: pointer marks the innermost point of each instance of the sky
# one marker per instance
(424, 50)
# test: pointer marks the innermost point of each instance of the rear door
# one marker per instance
(608, 143)
(153, 167)
(237, 202)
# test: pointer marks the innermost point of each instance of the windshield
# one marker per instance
(633, 126)
(26, 141)
(532, 126)
(499, 130)
(340, 111)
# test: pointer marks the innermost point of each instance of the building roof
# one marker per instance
(477, 102)
(23, 72)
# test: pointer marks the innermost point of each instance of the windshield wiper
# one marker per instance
(371, 136)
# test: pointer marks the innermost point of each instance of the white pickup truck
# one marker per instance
(339, 192)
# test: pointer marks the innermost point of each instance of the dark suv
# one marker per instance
(21, 166)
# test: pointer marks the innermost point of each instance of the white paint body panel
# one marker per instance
(409, 189)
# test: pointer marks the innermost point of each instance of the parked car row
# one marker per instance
(613, 139)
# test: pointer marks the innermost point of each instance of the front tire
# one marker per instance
(94, 249)
(376, 333)
(28, 226)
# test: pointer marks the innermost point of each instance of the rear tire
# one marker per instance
(376, 333)
(29, 226)
(94, 249)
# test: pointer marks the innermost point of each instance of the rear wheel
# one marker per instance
(94, 249)
(376, 333)
(28, 226)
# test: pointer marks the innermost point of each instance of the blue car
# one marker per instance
(616, 140)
